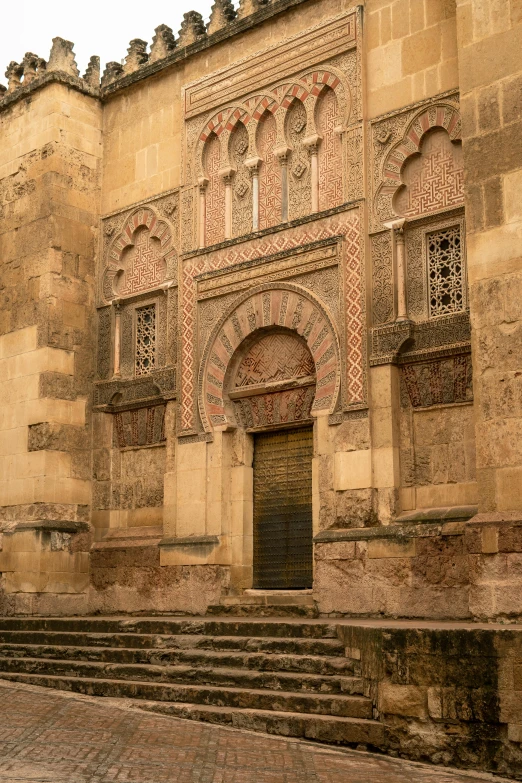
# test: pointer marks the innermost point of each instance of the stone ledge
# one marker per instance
(301, 221)
(127, 538)
(46, 526)
(184, 541)
(446, 514)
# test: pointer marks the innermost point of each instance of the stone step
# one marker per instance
(266, 662)
(262, 610)
(282, 646)
(207, 626)
(279, 701)
(219, 677)
(323, 728)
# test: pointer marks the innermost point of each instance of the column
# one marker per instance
(399, 250)
(202, 182)
(227, 174)
(253, 164)
(312, 142)
(282, 154)
(117, 338)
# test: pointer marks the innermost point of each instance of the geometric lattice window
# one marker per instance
(445, 271)
(145, 339)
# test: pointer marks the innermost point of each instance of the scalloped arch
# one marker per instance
(144, 217)
(440, 116)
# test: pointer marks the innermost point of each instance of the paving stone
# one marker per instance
(55, 737)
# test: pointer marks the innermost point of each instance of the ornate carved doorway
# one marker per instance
(283, 509)
(271, 386)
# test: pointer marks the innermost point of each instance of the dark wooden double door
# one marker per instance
(283, 553)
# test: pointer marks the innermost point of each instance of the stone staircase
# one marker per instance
(283, 675)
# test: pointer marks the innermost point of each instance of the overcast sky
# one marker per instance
(102, 27)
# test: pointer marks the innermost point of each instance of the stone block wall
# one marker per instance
(492, 124)
(422, 567)
(438, 463)
(49, 202)
(412, 51)
(446, 696)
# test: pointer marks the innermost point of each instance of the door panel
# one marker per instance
(283, 509)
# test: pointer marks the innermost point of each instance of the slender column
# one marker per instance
(228, 207)
(402, 309)
(253, 164)
(312, 142)
(117, 338)
(227, 175)
(282, 154)
(202, 182)
(399, 248)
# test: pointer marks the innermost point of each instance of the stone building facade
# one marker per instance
(260, 314)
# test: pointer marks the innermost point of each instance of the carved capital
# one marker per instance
(253, 164)
(312, 143)
(202, 184)
(227, 173)
(397, 226)
(282, 154)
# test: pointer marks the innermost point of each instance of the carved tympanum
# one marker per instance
(434, 179)
(275, 357)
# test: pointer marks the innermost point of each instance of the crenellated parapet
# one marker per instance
(192, 28)
(33, 71)
(221, 14)
(227, 17)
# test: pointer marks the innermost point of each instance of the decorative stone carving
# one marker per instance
(160, 383)
(397, 137)
(104, 342)
(247, 7)
(328, 123)
(141, 255)
(432, 180)
(303, 53)
(241, 184)
(283, 407)
(214, 193)
(14, 74)
(443, 381)
(445, 271)
(113, 71)
(443, 335)
(299, 179)
(285, 306)
(275, 381)
(269, 172)
(145, 360)
(92, 74)
(382, 278)
(137, 55)
(140, 427)
(353, 163)
(275, 357)
(258, 251)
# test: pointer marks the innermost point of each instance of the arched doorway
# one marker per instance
(270, 365)
(272, 383)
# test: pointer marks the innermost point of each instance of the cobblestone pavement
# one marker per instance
(48, 736)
